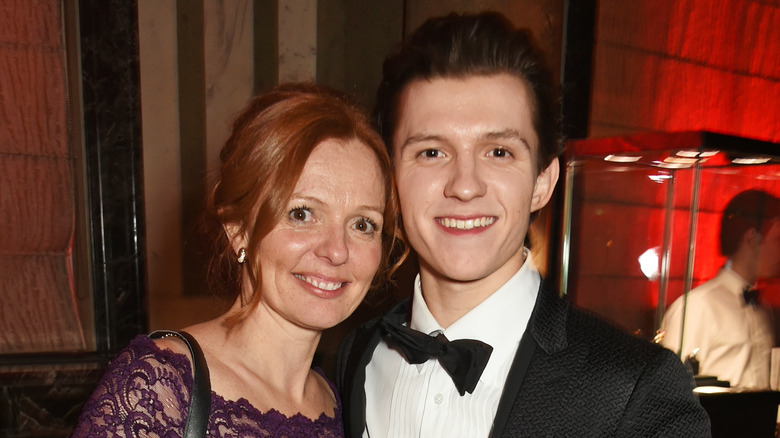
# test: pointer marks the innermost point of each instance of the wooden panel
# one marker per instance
(736, 38)
(685, 65)
(646, 92)
(624, 88)
(32, 91)
(36, 194)
(34, 22)
(739, 36)
(38, 311)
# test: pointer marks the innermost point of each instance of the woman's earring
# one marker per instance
(241, 256)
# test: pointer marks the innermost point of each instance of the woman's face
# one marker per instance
(318, 262)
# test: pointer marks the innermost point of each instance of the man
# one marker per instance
(721, 323)
(468, 110)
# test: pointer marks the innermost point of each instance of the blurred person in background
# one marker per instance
(721, 324)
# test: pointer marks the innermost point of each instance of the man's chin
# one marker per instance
(463, 275)
(470, 271)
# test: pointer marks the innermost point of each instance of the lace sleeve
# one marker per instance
(144, 392)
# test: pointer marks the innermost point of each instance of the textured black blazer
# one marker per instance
(574, 375)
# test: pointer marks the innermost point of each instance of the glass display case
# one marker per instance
(642, 214)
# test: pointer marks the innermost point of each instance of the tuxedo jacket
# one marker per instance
(573, 375)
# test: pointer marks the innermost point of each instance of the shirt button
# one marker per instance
(438, 399)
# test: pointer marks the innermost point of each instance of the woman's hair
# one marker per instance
(271, 140)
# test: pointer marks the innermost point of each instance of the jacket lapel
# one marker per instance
(354, 393)
(513, 382)
(546, 330)
(548, 321)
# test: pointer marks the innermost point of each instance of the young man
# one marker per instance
(469, 112)
(725, 327)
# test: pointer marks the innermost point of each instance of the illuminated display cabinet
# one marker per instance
(642, 218)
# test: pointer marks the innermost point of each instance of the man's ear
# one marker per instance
(545, 184)
(235, 237)
(752, 238)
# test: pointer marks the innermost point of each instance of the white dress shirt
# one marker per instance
(734, 339)
(405, 400)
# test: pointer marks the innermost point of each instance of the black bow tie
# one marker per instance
(463, 359)
(750, 296)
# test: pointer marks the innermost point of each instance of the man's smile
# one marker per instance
(466, 224)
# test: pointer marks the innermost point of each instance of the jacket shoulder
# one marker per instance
(613, 383)
(606, 337)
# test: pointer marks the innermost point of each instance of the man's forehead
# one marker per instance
(482, 107)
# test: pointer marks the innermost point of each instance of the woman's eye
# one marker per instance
(300, 214)
(366, 226)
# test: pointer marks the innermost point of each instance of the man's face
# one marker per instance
(465, 153)
(769, 252)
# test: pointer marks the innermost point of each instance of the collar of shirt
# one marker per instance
(732, 281)
(499, 321)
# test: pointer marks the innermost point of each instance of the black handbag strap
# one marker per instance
(200, 397)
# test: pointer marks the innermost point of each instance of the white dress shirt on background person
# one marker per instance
(734, 339)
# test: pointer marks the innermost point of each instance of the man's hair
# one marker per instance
(751, 209)
(465, 45)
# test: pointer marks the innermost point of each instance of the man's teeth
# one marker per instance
(324, 285)
(467, 224)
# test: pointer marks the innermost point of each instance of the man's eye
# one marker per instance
(500, 153)
(300, 214)
(430, 153)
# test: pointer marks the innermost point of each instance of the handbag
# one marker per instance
(200, 397)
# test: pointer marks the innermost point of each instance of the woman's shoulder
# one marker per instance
(141, 381)
(164, 355)
(147, 365)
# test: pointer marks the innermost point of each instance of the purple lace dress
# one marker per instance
(146, 391)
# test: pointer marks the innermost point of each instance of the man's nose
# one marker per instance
(465, 182)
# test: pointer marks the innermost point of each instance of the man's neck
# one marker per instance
(746, 270)
(448, 300)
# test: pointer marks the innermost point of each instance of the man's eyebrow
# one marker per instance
(506, 134)
(420, 138)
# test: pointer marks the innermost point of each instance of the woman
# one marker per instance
(305, 210)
